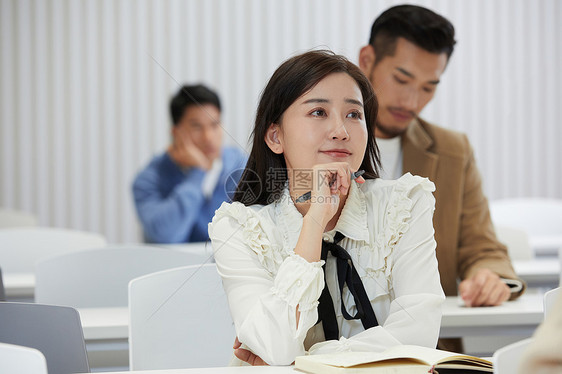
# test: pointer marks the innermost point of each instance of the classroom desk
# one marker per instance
(106, 329)
(513, 317)
(520, 318)
(546, 245)
(540, 272)
(220, 370)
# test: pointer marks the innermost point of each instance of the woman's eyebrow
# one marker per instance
(316, 101)
(353, 101)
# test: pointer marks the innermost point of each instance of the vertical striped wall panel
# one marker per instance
(85, 85)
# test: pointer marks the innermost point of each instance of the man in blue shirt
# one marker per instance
(177, 194)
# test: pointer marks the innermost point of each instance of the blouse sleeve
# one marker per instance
(263, 303)
(416, 294)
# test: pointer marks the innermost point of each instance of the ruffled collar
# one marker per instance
(352, 222)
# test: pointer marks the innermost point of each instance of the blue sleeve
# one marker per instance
(168, 217)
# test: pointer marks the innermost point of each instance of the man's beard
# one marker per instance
(389, 131)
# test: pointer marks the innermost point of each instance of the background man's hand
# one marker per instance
(247, 356)
(185, 153)
(484, 288)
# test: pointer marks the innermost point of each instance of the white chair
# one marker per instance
(516, 241)
(16, 218)
(22, 360)
(99, 277)
(506, 359)
(549, 299)
(179, 318)
(541, 218)
(2, 290)
(56, 331)
(560, 259)
(20, 248)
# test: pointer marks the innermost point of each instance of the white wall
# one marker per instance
(84, 89)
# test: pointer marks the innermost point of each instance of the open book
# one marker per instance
(398, 359)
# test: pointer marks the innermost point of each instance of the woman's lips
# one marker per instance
(337, 153)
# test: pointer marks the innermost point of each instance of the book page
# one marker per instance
(425, 355)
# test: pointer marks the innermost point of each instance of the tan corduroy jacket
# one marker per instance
(465, 236)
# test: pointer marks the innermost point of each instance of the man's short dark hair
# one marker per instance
(191, 95)
(421, 26)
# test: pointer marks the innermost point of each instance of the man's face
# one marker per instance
(202, 123)
(404, 84)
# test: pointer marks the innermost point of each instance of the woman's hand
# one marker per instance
(246, 355)
(330, 182)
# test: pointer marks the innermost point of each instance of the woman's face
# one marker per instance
(326, 124)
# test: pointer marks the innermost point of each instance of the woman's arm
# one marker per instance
(264, 305)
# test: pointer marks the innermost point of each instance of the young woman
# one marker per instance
(351, 268)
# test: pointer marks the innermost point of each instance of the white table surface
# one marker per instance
(519, 317)
(546, 245)
(458, 320)
(220, 370)
(539, 272)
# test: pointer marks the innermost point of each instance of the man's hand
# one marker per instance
(484, 288)
(185, 153)
(247, 356)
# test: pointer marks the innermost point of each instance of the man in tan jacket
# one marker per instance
(408, 51)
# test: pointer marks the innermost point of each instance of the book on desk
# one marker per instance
(398, 359)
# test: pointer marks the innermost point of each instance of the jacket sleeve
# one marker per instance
(478, 246)
(170, 218)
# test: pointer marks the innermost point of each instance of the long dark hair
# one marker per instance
(266, 172)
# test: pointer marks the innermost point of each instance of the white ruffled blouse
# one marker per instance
(389, 235)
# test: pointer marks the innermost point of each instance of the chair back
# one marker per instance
(506, 359)
(16, 218)
(20, 248)
(55, 331)
(560, 259)
(22, 360)
(550, 299)
(99, 277)
(517, 242)
(179, 318)
(2, 290)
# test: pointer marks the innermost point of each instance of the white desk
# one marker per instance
(522, 314)
(539, 272)
(546, 245)
(519, 317)
(106, 329)
(221, 370)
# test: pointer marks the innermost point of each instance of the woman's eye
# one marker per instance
(318, 113)
(401, 81)
(355, 115)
